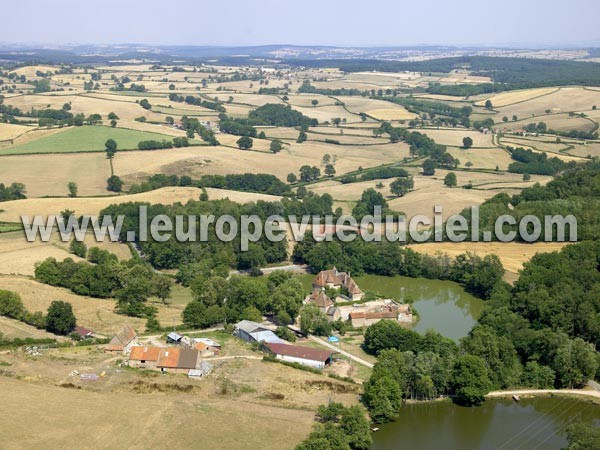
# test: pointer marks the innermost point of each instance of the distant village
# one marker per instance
(334, 293)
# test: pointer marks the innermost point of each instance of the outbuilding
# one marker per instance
(306, 356)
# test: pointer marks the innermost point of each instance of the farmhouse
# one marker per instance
(178, 360)
(391, 311)
(306, 356)
(83, 333)
(245, 328)
(122, 341)
(337, 280)
(144, 357)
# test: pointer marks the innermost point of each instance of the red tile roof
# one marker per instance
(168, 358)
(297, 351)
(145, 353)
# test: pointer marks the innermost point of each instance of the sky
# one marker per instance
(304, 22)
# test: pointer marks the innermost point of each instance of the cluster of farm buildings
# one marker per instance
(347, 303)
(183, 354)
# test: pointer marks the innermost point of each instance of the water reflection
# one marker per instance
(499, 425)
(442, 305)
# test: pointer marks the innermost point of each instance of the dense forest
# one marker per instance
(174, 254)
(535, 163)
(14, 191)
(540, 333)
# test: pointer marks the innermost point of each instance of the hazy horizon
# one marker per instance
(379, 23)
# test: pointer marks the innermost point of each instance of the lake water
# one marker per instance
(531, 424)
(442, 305)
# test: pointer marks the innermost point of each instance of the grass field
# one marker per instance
(85, 139)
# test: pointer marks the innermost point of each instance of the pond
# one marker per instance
(536, 423)
(442, 305)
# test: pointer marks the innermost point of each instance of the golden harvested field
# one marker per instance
(94, 313)
(564, 100)
(30, 71)
(306, 99)
(18, 257)
(512, 97)
(589, 149)
(49, 174)
(134, 166)
(350, 191)
(11, 329)
(512, 254)
(119, 410)
(347, 140)
(326, 113)
(559, 122)
(454, 137)
(391, 114)
(484, 158)
(261, 145)
(359, 132)
(280, 132)
(430, 191)
(126, 110)
(92, 205)
(379, 109)
(239, 197)
(248, 99)
(543, 143)
(8, 131)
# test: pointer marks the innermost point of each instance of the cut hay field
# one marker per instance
(125, 109)
(379, 109)
(49, 174)
(18, 257)
(482, 158)
(92, 205)
(559, 122)
(430, 191)
(454, 137)
(134, 166)
(326, 113)
(543, 143)
(9, 131)
(512, 97)
(96, 314)
(12, 329)
(127, 410)
(589, 149)
(12, 210)
(512, 254)
(564, 100)
(85, 139)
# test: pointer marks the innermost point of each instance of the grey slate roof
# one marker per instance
(249, 327)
